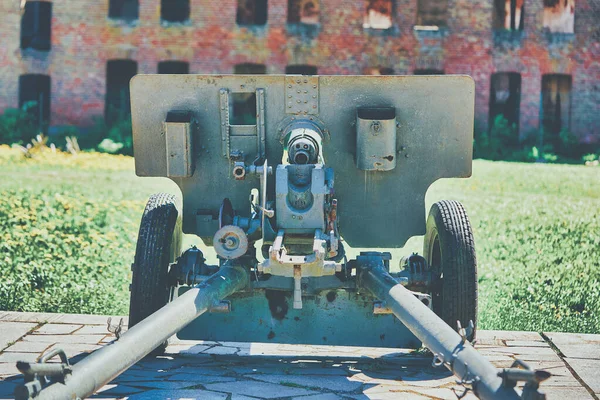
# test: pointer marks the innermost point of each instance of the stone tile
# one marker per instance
(551, 358)
(8, 368)
(162, 363)
(14, 316)
(383, 392)
(191, 394)
(133, 374)
(221, 350)
(242, 397)
(115, 390)
(488, 342)
(319, 371)
(56, 329)
(335, 383)
(28, 347)
(589, 351)
(80, 319)
(258, 369)
(588, 370)
(437, 393)
(174, 340)
(508, 335)
(527, 343)
(212, 371)
(561, 381)
(164, 385)
(377, 379)
(14, 357)
(517, 350)
(572, 393)
(12, 331)
(577, 345)
(75, 338)
(259, 389)
(95, 329)
(74, 349)
(239, 345)
(201, 379)
(187, 349)
(321, 396)
(573, 338)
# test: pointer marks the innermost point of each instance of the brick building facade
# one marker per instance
(537, 62)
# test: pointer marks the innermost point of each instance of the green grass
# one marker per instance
(68, 227)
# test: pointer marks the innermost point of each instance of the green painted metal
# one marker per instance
(334, 317)
(377, 209)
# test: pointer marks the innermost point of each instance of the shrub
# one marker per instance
(17, 126)
(119, 133)
(497, 143)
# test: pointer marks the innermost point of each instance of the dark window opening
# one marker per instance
(36, 25)
(303, 11)
(175, 10)
(428, 71)
(432, 12)
(251, 12)
(173, 67)
(559, 16)
(556, 105)
(243, 109)
(505, 99)
(301, 70)
(378, 14)
(378, 71)
(250, 69)
(509, 15)
(127, 10)
(118, 74)
(34, 100)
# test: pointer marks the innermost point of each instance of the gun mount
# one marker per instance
(299, 167)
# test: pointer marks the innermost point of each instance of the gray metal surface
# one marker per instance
(334, 317)
(378, 209)
(104, 365)
(448, 347)
(376, 139)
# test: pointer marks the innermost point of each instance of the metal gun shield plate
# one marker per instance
(378, 209)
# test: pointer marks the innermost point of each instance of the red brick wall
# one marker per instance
(83, 39)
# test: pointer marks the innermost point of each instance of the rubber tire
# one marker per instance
(158, 245)
(449, 249)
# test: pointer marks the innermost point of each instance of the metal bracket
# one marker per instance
(465, 333)
(115, 329)
(41, 374)
(260, 124)
(302, 94)
(224, 106)
(521, 372)
(238, 135)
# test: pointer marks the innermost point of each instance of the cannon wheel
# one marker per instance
(158, 245)
(450, 252)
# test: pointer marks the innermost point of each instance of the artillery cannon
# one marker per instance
(282, 175)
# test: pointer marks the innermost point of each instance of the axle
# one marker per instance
(448, 347)
(104, 365)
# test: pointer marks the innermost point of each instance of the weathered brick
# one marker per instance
(84, 39)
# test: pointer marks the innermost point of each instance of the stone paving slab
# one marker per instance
(246, 371)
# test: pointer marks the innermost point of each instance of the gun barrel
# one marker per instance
(447, 345)
(104, 365)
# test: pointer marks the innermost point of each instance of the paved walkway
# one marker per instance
(240, 371)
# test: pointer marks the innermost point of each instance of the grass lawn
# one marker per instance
(68, 227)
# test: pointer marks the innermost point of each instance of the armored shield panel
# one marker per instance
(387, 138)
